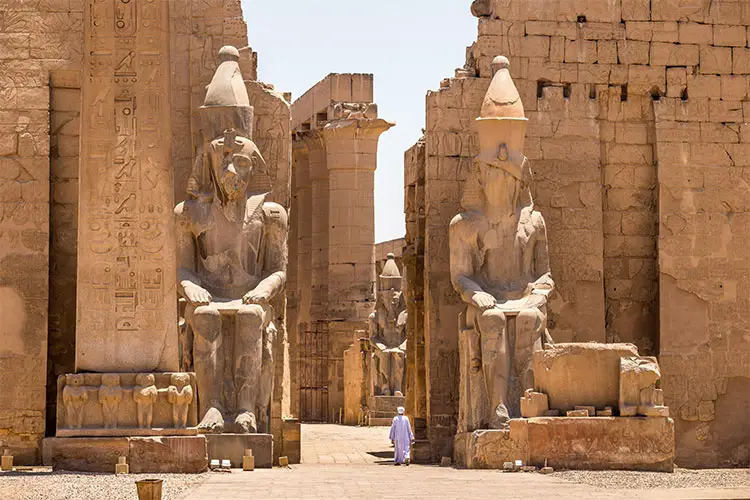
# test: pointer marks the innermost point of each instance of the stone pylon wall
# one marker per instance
(629, 263)
(41, 61)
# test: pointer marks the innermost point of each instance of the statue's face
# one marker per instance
(500, 187)
(235, 174)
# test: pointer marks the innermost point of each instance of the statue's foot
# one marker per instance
(212, 423)
(245, 423)
(500, 418)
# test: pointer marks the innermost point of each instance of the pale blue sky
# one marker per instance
(409, 45)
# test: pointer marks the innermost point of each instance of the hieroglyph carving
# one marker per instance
(126, 310)
(499, 265)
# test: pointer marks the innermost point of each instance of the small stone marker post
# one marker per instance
(248, 460)
(6, 463)
(122, 466)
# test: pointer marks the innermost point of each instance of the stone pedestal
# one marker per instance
(232, 447)
(585, 443)
(291, 440)
(383, 408)
(173, 454)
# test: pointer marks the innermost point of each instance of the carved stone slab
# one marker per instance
(119, 404)
(127, 318)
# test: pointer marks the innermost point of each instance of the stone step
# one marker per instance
(381, 422)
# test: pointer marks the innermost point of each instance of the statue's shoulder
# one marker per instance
(275, 213)
(186, 211)
(467, 222)
(537, 219)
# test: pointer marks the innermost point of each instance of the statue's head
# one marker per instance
(144, 379)
(236, 160)
(179, 380)
(502, 174)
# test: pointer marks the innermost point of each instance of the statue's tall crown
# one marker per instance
(227, 105)
(227, 87)
(502, 100)
(390, 269)
(501, 124)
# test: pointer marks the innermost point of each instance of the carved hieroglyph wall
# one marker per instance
(636, 139)
(127, 317)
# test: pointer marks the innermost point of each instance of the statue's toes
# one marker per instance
(245, 423)
(213, 422)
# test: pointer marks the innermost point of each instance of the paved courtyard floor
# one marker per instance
(341, 462)
(356, 463)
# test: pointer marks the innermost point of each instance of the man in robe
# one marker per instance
(401, 437)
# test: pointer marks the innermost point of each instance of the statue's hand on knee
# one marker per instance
(258, 296)
(197, 295)
(483, 300)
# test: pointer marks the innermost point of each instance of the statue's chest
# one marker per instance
(507, 250)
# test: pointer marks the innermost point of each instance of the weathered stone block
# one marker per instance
(84, 454)
(534, 404)
(580, 374)
(232, 447)
(173, 454)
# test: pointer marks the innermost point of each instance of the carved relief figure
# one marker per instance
(499, 264)
(180, 395)
(232, 260)
(75, 397)
(388, 332)
(110, 395)
(145, 394)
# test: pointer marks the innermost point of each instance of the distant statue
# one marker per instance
(499, 265)
(388, 332)
(232, 253)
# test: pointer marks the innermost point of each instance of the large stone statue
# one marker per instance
(232, 261)
(499, 264)
(388, 332)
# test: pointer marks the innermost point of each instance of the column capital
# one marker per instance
(356, 128)
(311, 140)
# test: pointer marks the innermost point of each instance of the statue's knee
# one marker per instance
(493, 319)
(251, 316)
(206, 320)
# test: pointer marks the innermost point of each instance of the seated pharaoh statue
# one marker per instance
(499, 265)
(388, 332)
(232, 261)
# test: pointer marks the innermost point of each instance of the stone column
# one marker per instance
(302, 220)
(351, 150)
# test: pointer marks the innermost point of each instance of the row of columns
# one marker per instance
(334, 180)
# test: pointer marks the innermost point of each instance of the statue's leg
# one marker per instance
(208, 363)
(531, 325)
(397, 372)
(248, 353)
(268, 368)
(495, 363)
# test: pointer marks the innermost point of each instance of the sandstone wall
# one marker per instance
(594, 78)
(36, 38)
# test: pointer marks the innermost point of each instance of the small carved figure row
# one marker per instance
(110, 395)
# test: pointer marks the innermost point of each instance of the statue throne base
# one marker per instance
(91, 437)
(382, 409)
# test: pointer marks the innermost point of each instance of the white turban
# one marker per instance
(400, 410)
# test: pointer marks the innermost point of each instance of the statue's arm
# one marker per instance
(188, 282)
(460, 236)
(275, 253)
(544, 283)
(375, 339)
